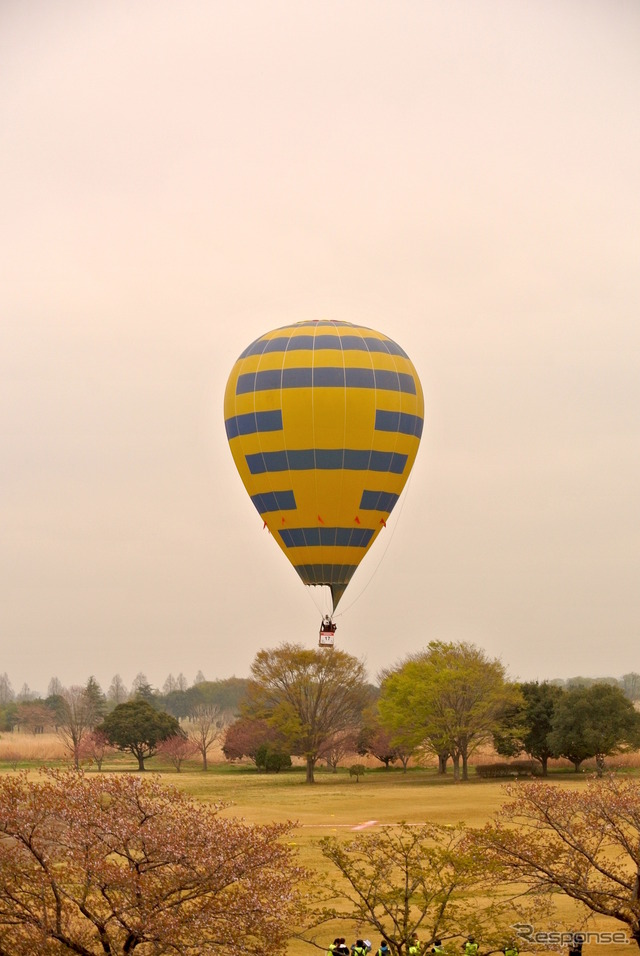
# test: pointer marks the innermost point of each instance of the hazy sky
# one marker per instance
(177, 178)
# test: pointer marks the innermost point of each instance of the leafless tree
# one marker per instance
(6, 690)
(206, 727)
(169, 685)
(55, 687)
(76, 719)
(117, 692)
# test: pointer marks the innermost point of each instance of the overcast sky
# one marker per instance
(177, 178)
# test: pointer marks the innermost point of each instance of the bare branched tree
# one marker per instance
(206, 727)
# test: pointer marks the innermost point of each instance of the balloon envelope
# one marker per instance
(324, 421)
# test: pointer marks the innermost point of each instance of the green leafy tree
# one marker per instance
(409, 880)
(8, 716)
(272, 761)
(136, 727)
(56, 704)
(142, 689)
(120, 865)
(307, 695)
(97, 699)
(227, 695)
(451, 699)
(530, 724)
(595, 721)
(540, 702)
(175, 702)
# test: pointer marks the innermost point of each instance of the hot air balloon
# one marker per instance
(324, 421)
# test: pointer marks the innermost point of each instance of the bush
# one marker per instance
(517, 768)
(270, 760)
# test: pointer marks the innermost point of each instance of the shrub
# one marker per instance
(271, 761)
(517, 768)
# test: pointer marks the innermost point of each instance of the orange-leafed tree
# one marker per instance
(584, 843)
(122, 864)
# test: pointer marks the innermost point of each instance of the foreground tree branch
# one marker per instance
(584, 843)
(426, 880)
(106, 866)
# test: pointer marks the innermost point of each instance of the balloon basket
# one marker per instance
(327, 634)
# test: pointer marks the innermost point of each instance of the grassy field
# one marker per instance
(337, 805)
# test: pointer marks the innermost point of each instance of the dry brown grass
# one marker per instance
(32, 747)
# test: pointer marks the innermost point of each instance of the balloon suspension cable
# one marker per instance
(403, 498)
(320, 596)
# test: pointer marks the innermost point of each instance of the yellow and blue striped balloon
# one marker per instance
(324, 421)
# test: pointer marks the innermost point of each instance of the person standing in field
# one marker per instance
(384, 949)
(575, 947)
(470, 947)
(437, 947)
(414, 946)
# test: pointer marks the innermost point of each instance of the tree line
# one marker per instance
(445, 702)
(34, 714)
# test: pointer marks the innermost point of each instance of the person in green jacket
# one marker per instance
(470, 947)
(511, 949)
(437, 949)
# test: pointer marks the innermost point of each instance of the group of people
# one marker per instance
(362, 947)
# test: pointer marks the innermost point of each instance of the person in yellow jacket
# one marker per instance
(511, 949)
(470, 948)
(437, 949)
(415, 948)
